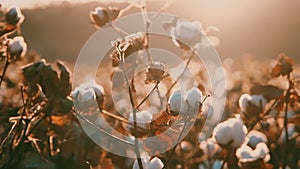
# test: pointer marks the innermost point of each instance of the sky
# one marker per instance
(32, 3)
(262, 28)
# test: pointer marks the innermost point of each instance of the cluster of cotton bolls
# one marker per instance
(185, 102)
(250, 148)
(14, 47)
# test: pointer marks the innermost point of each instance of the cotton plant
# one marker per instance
(12, 44)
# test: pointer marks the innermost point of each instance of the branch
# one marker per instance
(182, 73)
(148, 95)
(287, 100)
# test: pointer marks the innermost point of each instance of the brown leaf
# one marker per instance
(65, 86)
(269, 92)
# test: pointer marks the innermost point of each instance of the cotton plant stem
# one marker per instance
(174, 148)
(125, 9)
(7, 62)
(287, 100)
(148, 95)
(182, 73)
(136, 145)
(266, 113)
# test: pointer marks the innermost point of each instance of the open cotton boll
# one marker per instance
(259, 100)
(244, 101)
(14, 16)
(254, 137)
(176, 102)
(251, 107)
(101, 16)
(230, 133)
(143, 118)
(154, 163)
(291, 132)
(247, 154)
(89, 92)
(187, 32)
(247, 100)
(209, 147)
(193, 97)
(86, 95)
(17, 47)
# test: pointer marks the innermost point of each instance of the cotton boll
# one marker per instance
(244, 102)
(230, 133)
(209, 147)
(247, 154)
(143, 118)
(14, 16)
(175, 102)
(17, 47)
(194, 96)
(98, 89)
(101, 16)
(258, 100)
(254, 137)
(291, 132)
(154, 163)
(98, 16)
(86, 95)
(187, 32)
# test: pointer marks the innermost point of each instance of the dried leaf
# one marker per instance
(269, 92)
(65, 83)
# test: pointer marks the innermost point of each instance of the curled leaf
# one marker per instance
(269, 92)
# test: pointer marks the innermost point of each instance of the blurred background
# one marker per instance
(58, 29)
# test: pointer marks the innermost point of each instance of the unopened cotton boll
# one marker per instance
(247, 154)
(187, 32)
(230, 133)
(17, 47)
(14, 16)
(154, 163)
